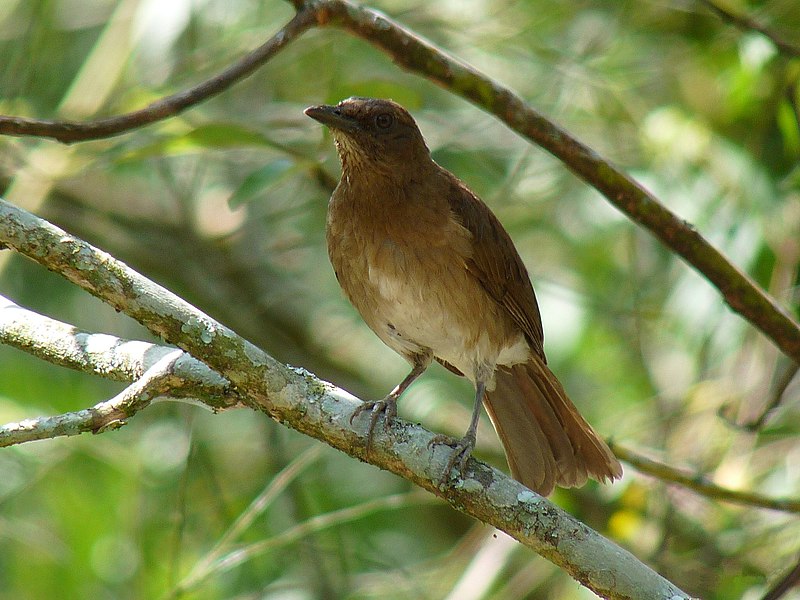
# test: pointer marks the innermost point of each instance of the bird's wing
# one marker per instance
(496, 263)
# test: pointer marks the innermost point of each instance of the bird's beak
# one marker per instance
(332, 117)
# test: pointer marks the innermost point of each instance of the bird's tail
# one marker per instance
(546, 440)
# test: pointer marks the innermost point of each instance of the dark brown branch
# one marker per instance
(790, 580)
(71, 131)
(745, 23)
(698, 483)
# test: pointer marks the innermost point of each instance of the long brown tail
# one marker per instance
(547, 441)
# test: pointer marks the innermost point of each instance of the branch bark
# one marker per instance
(108, 356)
(70, 132)
(111, 414)
(152, 370)
(127, 360)
(316, 408)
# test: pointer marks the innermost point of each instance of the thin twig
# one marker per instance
(776, 397)
(698, 483)
(787, 582)
(72, 131)
(746, 23)
(105, 416)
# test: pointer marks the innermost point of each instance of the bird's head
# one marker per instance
(375, 135)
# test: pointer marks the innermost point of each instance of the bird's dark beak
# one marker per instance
(332, 117)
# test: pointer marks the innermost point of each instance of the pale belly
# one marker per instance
(438, 307)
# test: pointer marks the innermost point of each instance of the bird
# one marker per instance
(434, 274)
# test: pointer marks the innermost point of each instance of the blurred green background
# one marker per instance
(225, 205)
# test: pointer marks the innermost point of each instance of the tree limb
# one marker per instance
(108, 356)
(316, 408)
(73, 131)
(127, 360)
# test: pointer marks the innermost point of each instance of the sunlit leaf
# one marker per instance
(211, 136)
(260, 179)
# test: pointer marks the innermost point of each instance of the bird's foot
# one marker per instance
(462, 450)
(376, 408)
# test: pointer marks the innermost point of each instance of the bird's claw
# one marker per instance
(376, 408)
(462, 450)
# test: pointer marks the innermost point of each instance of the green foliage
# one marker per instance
(226, 206)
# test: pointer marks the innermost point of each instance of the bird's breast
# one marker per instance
(407, 275)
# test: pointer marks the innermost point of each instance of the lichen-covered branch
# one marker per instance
(303, 402)
(128, 360)
(111, 414)
(106, 355)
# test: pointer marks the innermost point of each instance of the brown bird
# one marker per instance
(436, 277)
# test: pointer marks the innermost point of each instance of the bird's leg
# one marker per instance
(462, 449)
(388, 405)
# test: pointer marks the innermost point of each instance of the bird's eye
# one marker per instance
(384, 120)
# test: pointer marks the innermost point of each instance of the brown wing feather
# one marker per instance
(496, 263)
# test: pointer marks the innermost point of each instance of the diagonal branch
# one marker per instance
(127, 360)
(746, 23)
(73, 131)
(787, 582)
(303, 402)
(700, 484)
(776, 397)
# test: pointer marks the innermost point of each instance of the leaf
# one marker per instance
(787, 123)
(258, 180)
(204, 137)
(224, 135)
